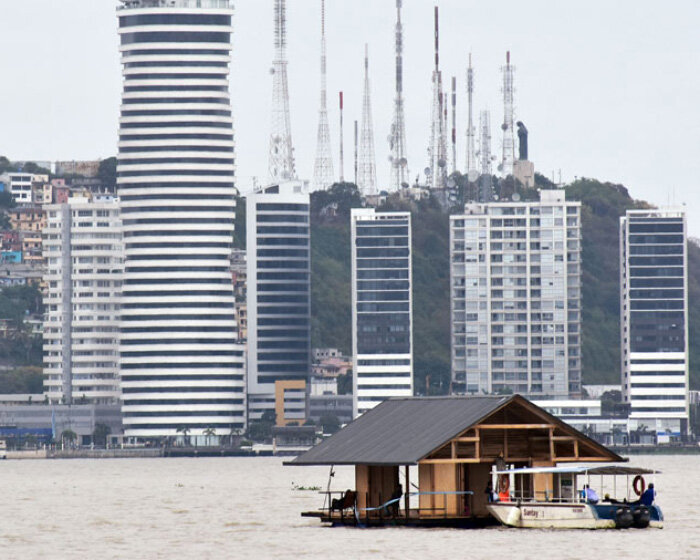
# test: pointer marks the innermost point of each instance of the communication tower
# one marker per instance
(397, 138)
(367, 169)
(281, 164)
(485, 193)
(506, 166)
(323, 165)
(471, 163)
(437, 150)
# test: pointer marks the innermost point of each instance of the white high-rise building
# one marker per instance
(654, 319)
(515, 283)
(279, 291)
(83, 252)
(382, 307)
(181, 365)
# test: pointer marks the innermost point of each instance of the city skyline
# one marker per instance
(613, 125)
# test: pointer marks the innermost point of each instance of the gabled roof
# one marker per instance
(401, 431)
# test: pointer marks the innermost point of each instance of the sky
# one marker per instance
(608, 89)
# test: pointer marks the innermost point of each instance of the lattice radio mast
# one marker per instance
(437, 155)
(397, 138)
(485, 193)
(342, 164)
(323, 165)
(367, 168)
(506, 166)
(281, 163)
(470, 164)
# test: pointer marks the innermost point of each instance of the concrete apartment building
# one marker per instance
(382, 307)
(83, 252)
(515, 297)
(181, 364)
(654, 319)
(278, 292)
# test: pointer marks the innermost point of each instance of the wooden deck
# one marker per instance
(415, 518)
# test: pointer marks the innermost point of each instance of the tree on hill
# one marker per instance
(107, 172)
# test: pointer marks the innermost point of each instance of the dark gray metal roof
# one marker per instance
(401, 431)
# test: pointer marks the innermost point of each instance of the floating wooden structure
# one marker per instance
(455, 442)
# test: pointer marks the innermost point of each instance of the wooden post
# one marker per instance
(551, 443)
(477, 444)
(407, 503)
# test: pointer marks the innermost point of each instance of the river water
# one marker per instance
(247, 508)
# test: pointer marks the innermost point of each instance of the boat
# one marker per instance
(426, 461)
(566, 504)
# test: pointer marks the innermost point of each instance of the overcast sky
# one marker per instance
(607, 89)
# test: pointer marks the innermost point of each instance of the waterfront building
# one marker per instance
(180, 363)
(515, 280)
(83, 252)
(382, 307)
(279, 291)
(654, 319)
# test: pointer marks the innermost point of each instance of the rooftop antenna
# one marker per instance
(323, 165)
(437, 149)
(342, 166)
(397, 138)
(471, 164)
(281, 161)
(367, 172)
(508, 160)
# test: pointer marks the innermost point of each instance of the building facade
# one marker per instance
(180, 363)
(515, 298)
(382, 307)
(83, 253)
(279, 291)
(654, 319)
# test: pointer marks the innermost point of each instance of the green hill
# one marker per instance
(602, 205)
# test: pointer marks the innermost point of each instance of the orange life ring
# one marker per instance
(636, 485)
(504, 484)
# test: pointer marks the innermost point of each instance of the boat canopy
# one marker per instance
(582, 469)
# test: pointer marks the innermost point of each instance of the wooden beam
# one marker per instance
(466, 439)
(582, 459)
(453, 446)
(515, 426)
(477, 446)
(576, 448)
(449, 461)
(564, 438)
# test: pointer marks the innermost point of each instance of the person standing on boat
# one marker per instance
(591, 495)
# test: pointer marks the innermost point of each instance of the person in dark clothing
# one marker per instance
(647, 498)
(396, 495)
(489, 491)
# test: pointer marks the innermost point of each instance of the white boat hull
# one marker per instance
(548, 516)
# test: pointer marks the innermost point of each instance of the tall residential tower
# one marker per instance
(180, 364)
(516, 297)
(382, 307)
(279, 295)
(654, 319)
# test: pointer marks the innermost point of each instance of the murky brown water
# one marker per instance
(246, 508)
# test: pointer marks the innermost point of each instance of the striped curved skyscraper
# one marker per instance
(181, 367)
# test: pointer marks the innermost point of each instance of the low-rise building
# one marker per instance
(27, 218)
